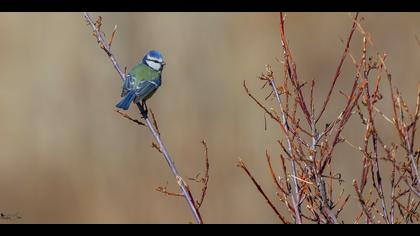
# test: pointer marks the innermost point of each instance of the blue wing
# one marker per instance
(146, 88)
(127, 93)
(127, 84)
(142, 92)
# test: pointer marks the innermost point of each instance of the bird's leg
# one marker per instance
(143, 108)
(146, 108)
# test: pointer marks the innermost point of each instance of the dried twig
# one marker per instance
(338, 70)
(242, 165)
(285, 127)
(125, 115)
(99, 35)
(205, 179)
(163, 189)
(362, 202)
(305, 180)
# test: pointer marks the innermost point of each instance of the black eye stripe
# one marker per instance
(155, 61)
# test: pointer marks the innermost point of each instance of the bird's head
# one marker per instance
(154, 60)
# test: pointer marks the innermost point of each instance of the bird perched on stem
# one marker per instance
(142, 81)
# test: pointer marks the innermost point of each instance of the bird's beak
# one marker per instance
(163, 63)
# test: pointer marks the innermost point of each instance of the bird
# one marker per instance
(142, 81)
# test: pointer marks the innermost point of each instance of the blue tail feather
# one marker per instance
(127, 100)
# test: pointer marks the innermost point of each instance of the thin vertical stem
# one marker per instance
(183, 186)
(295, 185)
(169, 160)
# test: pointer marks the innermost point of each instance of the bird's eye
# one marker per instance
(156, 61)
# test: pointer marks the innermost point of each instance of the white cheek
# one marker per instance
(154, 65)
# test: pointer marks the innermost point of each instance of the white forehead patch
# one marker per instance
(154, 65)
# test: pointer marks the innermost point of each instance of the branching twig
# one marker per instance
(99, 35)
(125, 115)
(362, 202)
(305, 180)
(163, 189)
(285, 126)
(183, 186)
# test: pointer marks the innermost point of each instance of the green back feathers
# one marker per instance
(142, 72)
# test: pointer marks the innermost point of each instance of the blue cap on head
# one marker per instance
(153, 54)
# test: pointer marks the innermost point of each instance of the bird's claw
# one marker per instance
(143, 109)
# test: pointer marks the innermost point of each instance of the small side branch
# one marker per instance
(106, 46)
(338, 70)
(241, 164)
(125, 115)
(205, 179)
(363, 203)
(103, 44)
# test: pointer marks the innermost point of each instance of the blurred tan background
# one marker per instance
(67, 157)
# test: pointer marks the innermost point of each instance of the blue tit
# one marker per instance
(142, 80)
